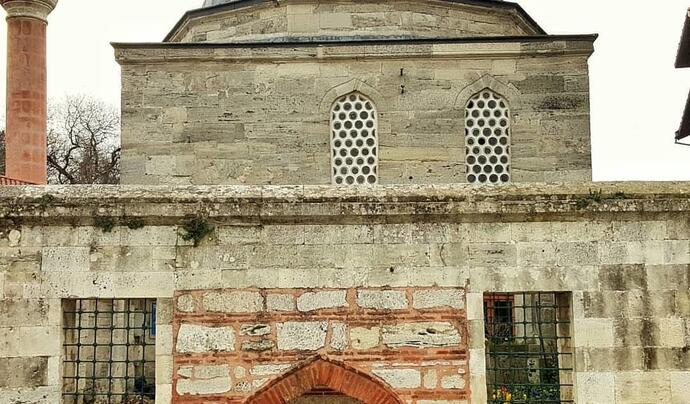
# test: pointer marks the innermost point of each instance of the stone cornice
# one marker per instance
(483, 47)
(39, 9)
(327, 204)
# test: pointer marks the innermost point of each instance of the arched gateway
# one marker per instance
(322, 373)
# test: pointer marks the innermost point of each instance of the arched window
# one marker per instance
(354, 141)
(487, 138)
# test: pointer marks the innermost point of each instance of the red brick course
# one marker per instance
(341, 370)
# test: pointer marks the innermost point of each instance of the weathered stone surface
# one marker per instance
(680, 383)
(259, 383)
(673, 332)
(429, 299)
(453, 382)
(39, 395)
(25, 373)
(430, 379)
(331, 299)
(211, 371)
(255, 329)
(258, 346)
(276, 302)
(240, 372)
(72, 259)
(204, 386)
(14, 237)
(233, 302)
(382, 299)
(338, 336)
(365, 338)
(186, 372)
(595, 332)
(642, 387)
(421, 335)
(243, 387)
(200, 339)
(269, 370)
(186, 303)
(302, 336)
(400, 378)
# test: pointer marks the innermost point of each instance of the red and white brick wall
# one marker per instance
(231, 343)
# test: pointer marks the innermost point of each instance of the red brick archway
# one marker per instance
(320, 373)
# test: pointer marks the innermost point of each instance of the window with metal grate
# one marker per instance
(529, 355)
(354, 141)
(487, 138)
(109, 351)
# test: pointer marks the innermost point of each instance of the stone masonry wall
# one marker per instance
(260, 115)
(623, 255)
(338, 19)
(230, 343)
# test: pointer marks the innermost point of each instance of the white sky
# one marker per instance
(637, 95)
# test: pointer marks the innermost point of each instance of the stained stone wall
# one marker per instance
(624, 255)
(236, 114)
(412, 339)
(262, 21)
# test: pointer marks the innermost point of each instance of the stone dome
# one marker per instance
(210, 3)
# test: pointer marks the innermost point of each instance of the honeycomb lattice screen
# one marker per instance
(487, 139)
(354, 141)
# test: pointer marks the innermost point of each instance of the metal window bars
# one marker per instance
(529, 355)
(109, 351)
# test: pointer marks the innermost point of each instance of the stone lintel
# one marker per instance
(38, 9)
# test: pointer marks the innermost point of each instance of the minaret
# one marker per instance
(26, 117)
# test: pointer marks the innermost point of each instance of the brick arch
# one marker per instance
(321, 372)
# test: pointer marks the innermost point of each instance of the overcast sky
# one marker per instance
(637, 95)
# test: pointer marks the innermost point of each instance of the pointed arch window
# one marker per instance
(354, 141)
(487, 138)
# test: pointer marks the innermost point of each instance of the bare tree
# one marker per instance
(83, 142)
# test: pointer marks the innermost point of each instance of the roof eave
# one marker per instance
(378, 41)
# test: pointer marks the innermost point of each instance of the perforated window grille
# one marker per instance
(109, 351)
(354, 141)
(529, 355)
(487, 139)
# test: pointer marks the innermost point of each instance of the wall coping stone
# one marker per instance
(286, 204)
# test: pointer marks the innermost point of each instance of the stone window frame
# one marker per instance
(508, 92)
